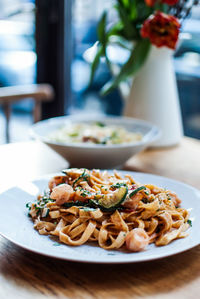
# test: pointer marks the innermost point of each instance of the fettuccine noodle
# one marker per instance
(114, 211)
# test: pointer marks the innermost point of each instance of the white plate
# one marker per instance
(17, 227)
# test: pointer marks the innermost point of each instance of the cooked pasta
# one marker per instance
(94, 133)
(114, 211)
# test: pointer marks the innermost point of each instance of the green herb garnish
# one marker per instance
(189, 222)
(85, 193)
(118, 185)
(83, 176)
(28, 205)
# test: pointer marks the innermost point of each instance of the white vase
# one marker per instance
(154, 96)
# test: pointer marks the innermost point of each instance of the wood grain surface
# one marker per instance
(27, 275)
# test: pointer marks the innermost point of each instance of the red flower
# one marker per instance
(161, 29)
(170, 2)
(150, 2)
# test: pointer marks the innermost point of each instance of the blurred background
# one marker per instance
(46, 41)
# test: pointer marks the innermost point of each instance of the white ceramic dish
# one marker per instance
(17, 227)
(96, 155)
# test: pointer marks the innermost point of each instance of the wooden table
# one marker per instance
(27, 275)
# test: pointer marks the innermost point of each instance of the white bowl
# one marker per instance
(96, 155)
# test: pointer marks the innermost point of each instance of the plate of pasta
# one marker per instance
(102, 216)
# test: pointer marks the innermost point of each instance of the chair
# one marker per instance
(38, 92)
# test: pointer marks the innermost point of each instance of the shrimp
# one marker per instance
(154, 189)
(132, 203)
(62, 193)
(57, 180)
(174, 198)
(85, 185)
(137, 239)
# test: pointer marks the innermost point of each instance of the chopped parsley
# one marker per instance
(78, 188)
(40, 205)
(28, 205)
(189, 222)
(83, 176)
(85, 193)
(104, 187)
(118, 185)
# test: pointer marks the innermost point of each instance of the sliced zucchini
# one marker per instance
(93, 203)
(112, 202)
(137, 190)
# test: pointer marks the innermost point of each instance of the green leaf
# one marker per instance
(103, 36)
(116, 29)
(165, 8)
(125, 3)
(101, 31)
(133, 10)
(129, 30)
(95, 63)
(134, 63)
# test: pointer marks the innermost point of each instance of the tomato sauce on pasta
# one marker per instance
(114, 211)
